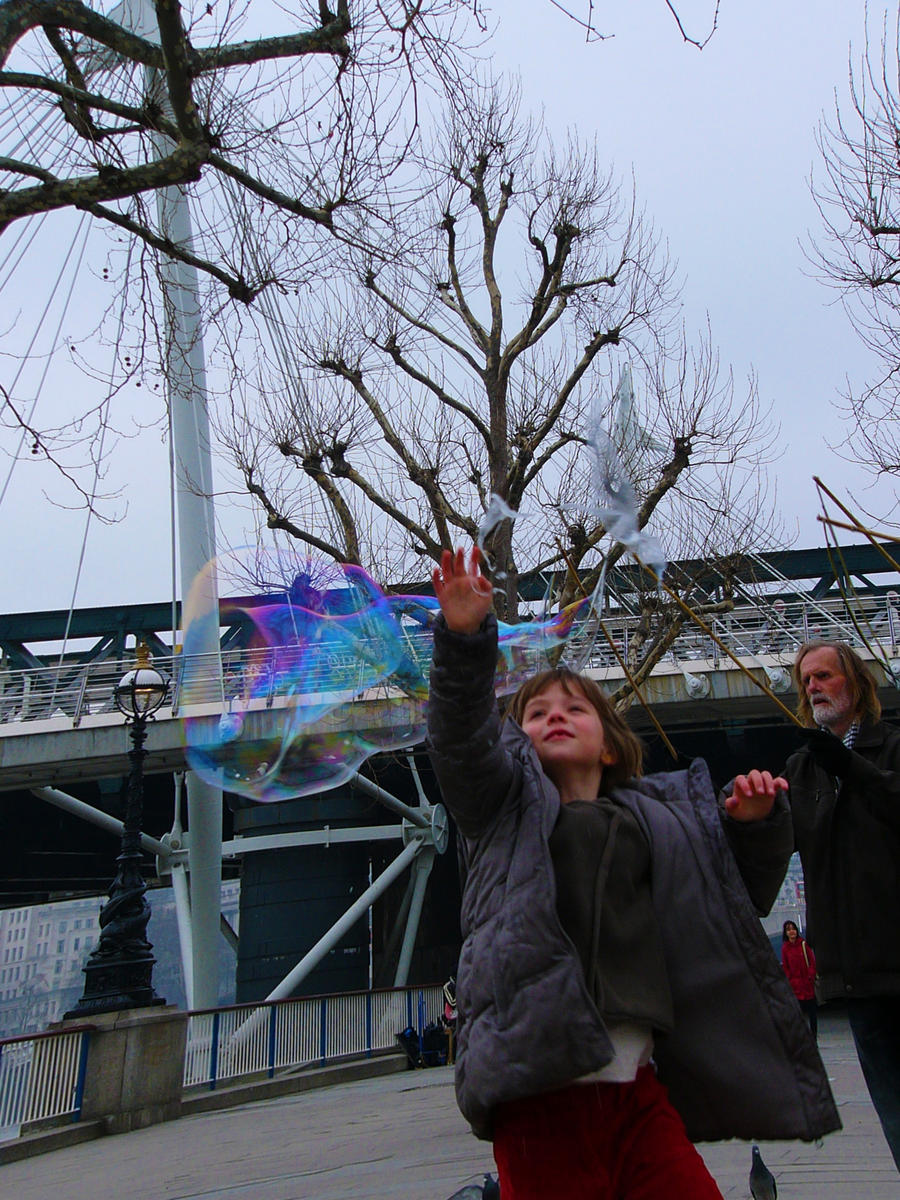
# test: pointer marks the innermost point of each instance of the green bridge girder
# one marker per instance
(817, 573)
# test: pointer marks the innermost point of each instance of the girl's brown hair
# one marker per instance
(620, 741)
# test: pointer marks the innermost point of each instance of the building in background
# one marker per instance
(43, 948)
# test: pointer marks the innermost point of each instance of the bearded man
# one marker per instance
(845, 802)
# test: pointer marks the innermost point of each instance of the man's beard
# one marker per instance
(828, 713)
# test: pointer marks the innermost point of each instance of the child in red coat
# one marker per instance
(799, 963)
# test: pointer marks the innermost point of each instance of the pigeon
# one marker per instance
(762, 1181)
(489, 1190)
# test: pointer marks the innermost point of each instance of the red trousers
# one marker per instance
(599, 1141)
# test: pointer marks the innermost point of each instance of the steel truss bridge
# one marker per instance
(59, 723)
(60, 729)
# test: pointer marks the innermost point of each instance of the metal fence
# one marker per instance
(260, 1039)
(41, 1077)
(261, 678)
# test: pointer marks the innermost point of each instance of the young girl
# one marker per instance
(617, 996)
(799, 964)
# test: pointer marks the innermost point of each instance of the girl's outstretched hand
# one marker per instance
(754, 795)
(464, 594)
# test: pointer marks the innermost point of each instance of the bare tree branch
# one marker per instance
(282, 144)
(858, 196)
(505, 301)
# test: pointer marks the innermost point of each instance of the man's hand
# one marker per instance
(828, 751)
(754, 795)
(464, 594)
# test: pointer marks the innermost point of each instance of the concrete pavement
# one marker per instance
(401, 1136)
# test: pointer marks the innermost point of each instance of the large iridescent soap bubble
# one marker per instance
(331, 670)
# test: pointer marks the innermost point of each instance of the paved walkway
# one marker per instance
(400, 1136)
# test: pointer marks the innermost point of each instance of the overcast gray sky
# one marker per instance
(721, 144)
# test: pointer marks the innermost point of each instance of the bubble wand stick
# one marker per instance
(856, 523)
(859, 528)
(698, 620)
(834, 549)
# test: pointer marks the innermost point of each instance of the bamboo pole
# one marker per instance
(686, 608)
(850, 516)
(856, 528)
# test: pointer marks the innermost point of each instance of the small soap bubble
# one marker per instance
(230, 726)
(497, 510)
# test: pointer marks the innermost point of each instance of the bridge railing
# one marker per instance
(72, 694)
(227, 1044)
(41, 1077)
(775, 630)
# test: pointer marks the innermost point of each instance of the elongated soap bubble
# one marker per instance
(332, 671)
(495, 514)
(497, 510)
(531, 646)
(614, 502)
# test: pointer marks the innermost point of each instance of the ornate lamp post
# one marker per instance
(118, 971)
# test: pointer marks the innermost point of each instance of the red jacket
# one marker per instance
(800, 968)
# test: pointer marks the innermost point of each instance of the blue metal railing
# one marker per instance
(241, 1041)
(42, 1076)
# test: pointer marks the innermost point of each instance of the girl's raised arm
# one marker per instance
(464, 594)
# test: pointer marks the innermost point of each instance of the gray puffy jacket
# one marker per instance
(740, 1061)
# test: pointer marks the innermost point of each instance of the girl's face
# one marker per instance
(791, 931)
(566, 730)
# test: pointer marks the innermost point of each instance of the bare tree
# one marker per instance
(594, 18)
(160, 95)
(467, 360)
(284, 143)
(858, 196)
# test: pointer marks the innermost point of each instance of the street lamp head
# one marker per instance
(141, 691)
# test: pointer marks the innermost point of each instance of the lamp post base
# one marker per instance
(135, 1067)
(112, 986)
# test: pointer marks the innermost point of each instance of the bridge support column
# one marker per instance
(421, 871)
(205, 859)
